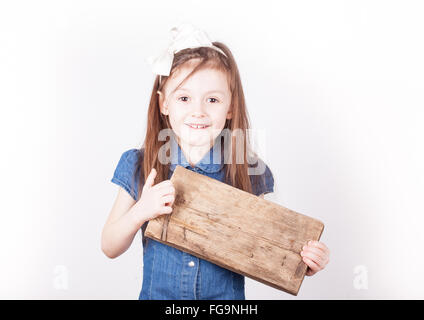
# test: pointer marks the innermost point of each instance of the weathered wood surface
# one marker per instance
(236, 230)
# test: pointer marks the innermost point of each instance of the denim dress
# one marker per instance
(169, 273)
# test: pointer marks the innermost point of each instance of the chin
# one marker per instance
(196, 139)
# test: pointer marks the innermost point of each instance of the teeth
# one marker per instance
(197, 127)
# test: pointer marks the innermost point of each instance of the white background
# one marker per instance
(337, 85)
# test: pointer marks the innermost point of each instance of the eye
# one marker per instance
(182, 98)
(214, 99)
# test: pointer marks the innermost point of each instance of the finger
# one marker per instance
(319, 245)
(315, 250)
(165, 210)
(318, 260)
(310, 272)
(166, 191)
(163, 183)
(150, 179)
(324, 256)
(167, 199)
(171, 203)
(311, 264)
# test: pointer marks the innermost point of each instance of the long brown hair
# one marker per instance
(236, 174)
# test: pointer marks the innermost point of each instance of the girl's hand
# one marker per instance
(316, 255)
(155, 200)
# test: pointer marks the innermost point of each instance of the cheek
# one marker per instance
(219, 124)
(219, 118)
(175, 118)
(177, 121)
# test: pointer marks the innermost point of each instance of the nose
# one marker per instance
(199, 110)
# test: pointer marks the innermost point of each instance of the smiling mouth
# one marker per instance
(197, 126)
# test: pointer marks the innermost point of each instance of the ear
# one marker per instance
(163, 109)
(229, 114)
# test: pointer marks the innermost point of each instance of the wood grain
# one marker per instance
(236, 230)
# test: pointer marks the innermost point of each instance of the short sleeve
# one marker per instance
(127, 173)
(261, 178)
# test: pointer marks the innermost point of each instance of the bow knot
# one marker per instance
(184, 36)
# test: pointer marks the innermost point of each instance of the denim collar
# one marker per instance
(207, 163)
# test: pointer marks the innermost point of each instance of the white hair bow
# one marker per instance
(184, 36)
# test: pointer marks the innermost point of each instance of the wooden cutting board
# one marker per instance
(236, 230)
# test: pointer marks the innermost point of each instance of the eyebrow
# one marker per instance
(210, 91)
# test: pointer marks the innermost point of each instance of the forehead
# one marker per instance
(201, 81)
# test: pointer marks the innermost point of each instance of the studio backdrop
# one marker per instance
(334, 91)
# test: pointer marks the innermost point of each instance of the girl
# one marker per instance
(197, 95)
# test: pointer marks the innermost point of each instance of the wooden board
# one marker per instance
(236, 230)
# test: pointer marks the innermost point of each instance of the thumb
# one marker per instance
(150, 179)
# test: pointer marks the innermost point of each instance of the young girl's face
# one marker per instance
(204, 99)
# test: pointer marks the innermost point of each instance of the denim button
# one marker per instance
(191, 264)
